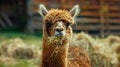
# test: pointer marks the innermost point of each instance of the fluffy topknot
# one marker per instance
(55, 15)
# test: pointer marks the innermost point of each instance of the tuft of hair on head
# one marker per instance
(42, 10)
(75, 11)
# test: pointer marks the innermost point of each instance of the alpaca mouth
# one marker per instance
(59, 34)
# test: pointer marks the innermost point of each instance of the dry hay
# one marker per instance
(113, 39)
(83, 40)
(16, 48)
(99, 60)
(7, 60)
(118, 55)
(104, 48)
(104, 52)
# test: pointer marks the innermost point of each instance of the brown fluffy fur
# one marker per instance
(57, 15)
(56, 51)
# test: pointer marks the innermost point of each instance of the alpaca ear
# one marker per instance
(75, 10)
(42, 10)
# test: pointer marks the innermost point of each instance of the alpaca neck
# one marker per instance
(54, 54)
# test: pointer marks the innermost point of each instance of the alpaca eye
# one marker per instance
(67, 24)
(49, 24)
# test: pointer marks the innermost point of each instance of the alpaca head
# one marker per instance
(58, 22)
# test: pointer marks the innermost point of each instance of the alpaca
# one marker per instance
(57, 33)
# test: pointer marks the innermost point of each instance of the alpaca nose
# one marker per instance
(59, 29)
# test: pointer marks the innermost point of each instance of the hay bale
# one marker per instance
(103, 48)
(7, 60)
(99, 60)
(5, 45)
(25, 52)
(113, 39)
(118, 50)
(84, 41)
(118, 56)
(16, 48)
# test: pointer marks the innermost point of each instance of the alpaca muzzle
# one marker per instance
(59, 33)
(59, 30)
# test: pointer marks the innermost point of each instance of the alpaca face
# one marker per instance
(58, 22)
(58, 28)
